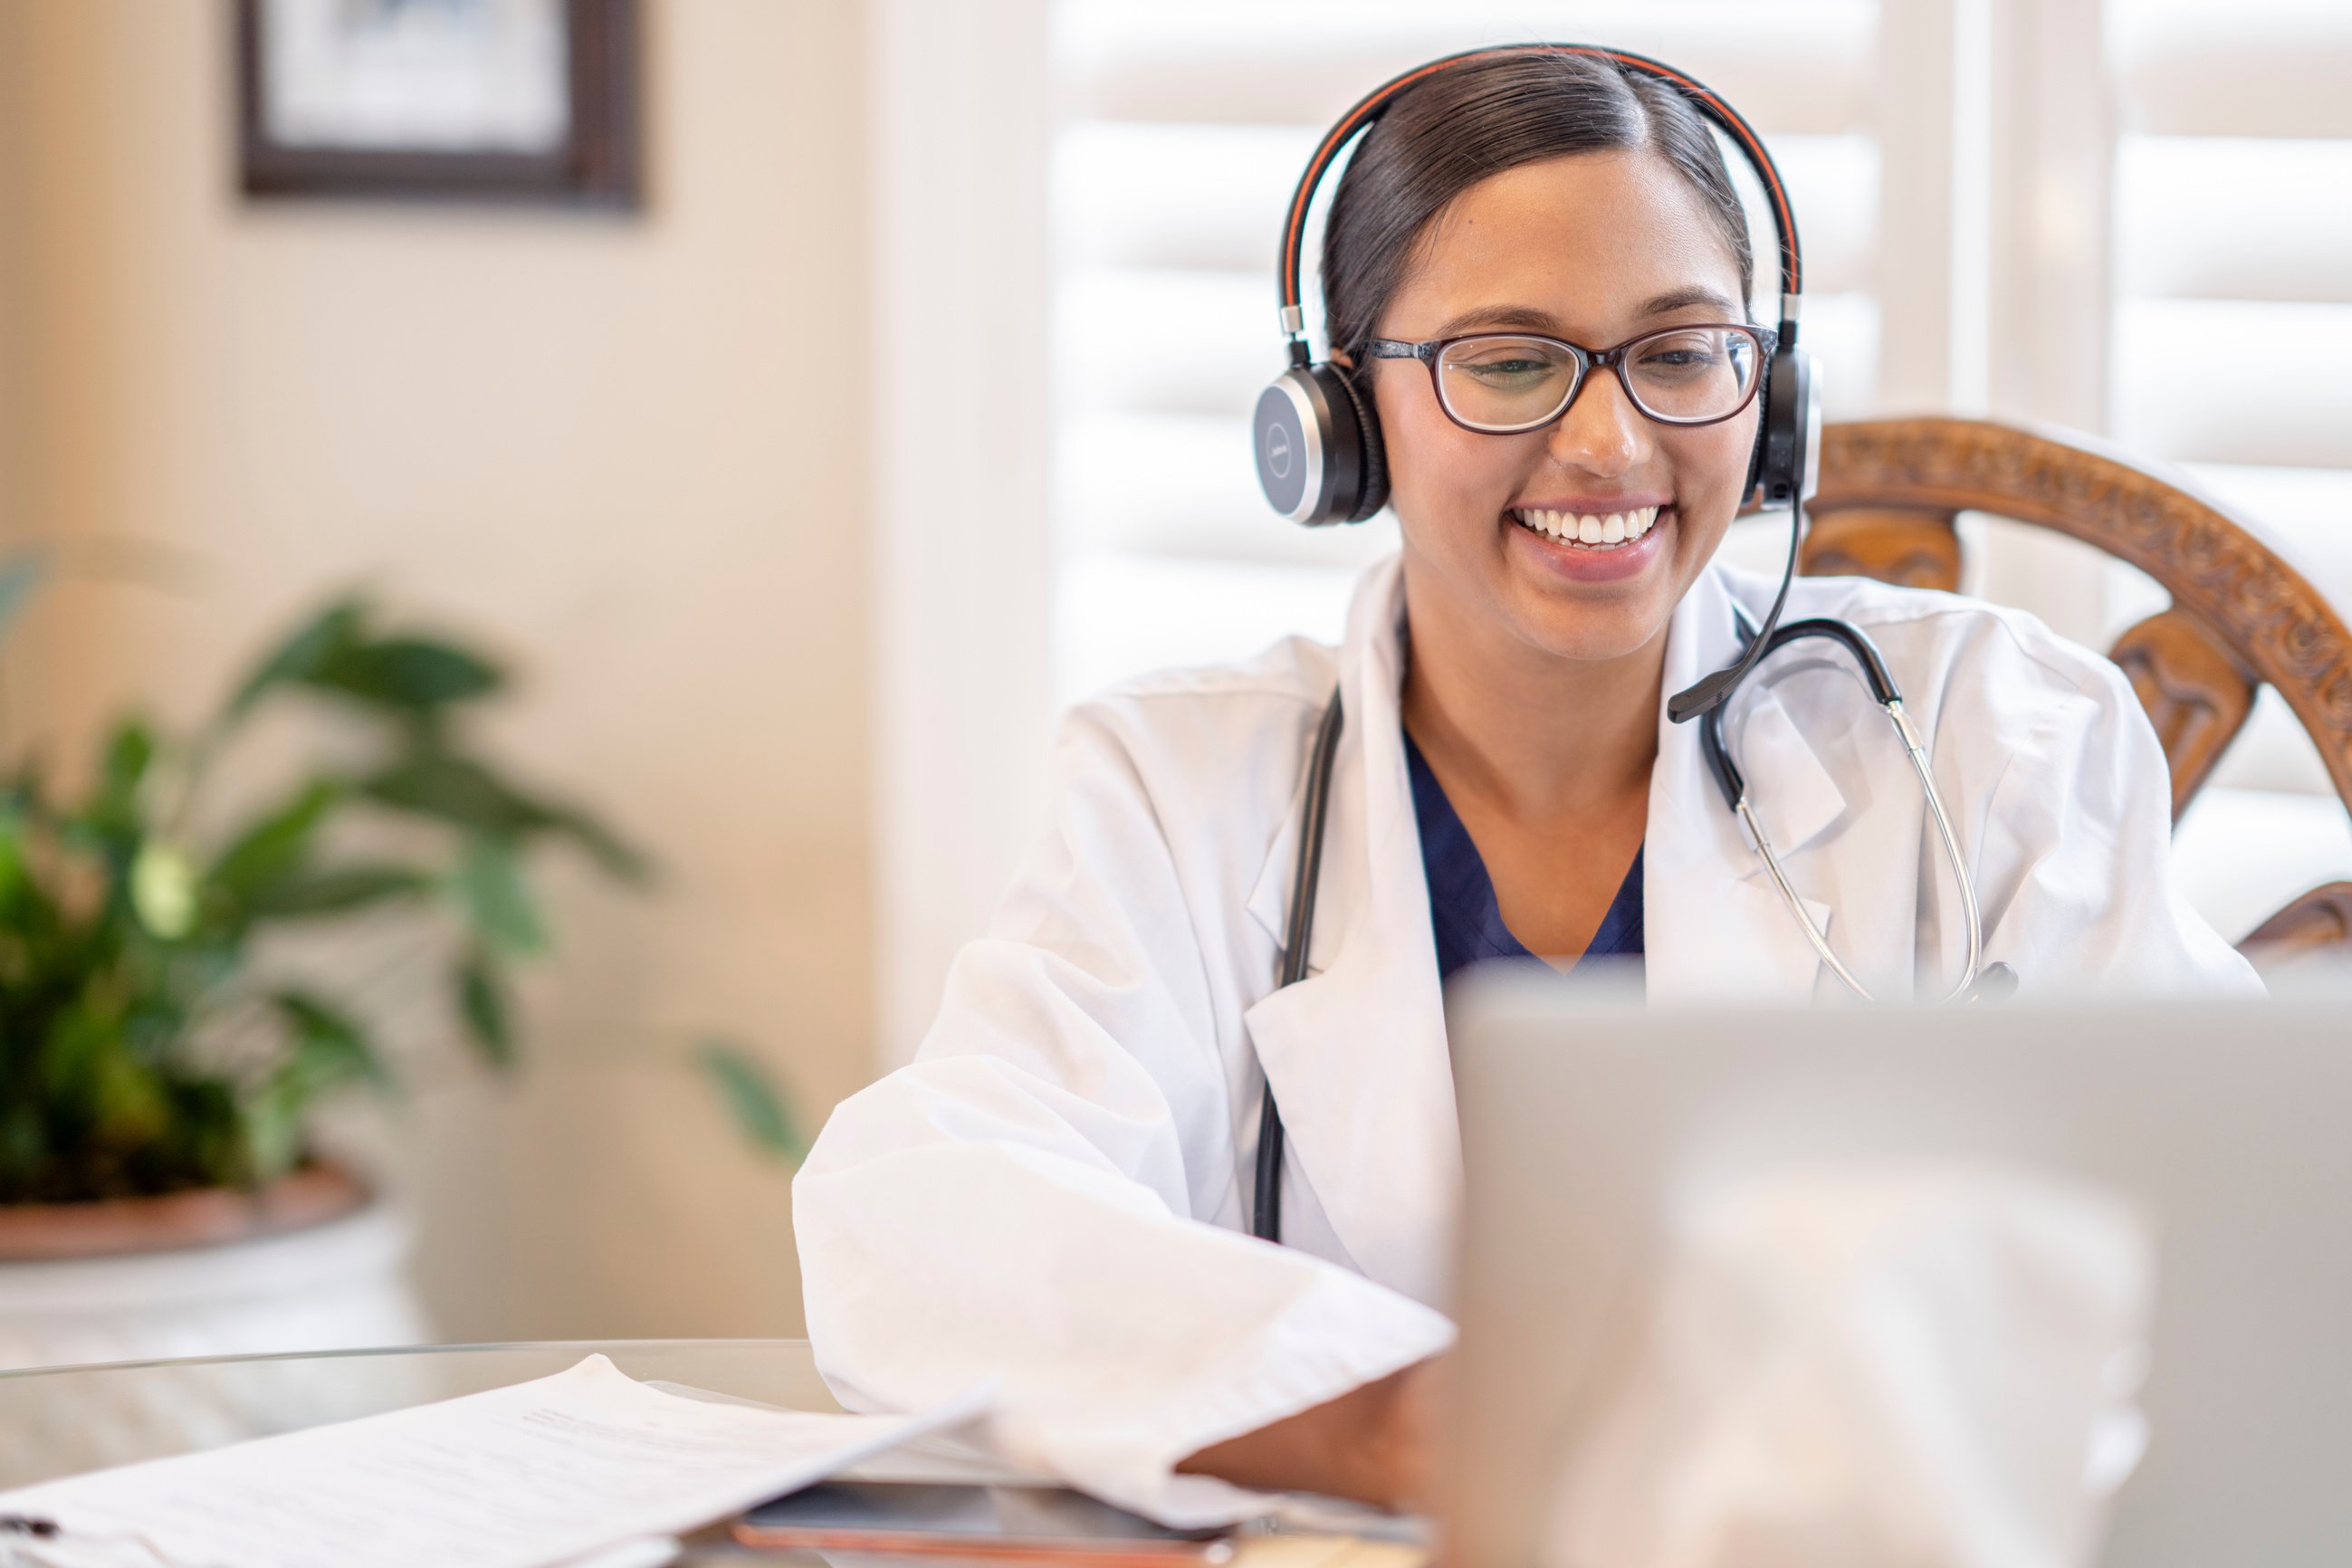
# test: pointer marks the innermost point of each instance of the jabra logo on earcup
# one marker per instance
(1277, 452)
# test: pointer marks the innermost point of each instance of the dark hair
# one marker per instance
(1475, 120)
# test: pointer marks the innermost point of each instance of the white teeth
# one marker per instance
(1612, 528)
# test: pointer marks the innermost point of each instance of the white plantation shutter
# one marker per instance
(2232, 354)
(1180, 133)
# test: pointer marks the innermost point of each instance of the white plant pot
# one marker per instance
(337, 1285)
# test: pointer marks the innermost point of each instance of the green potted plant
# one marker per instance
(161, 1054)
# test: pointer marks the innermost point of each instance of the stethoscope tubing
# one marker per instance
(1971, 915)
(1872, 665)
(1265, 1219)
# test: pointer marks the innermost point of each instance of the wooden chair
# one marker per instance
(2240, 615)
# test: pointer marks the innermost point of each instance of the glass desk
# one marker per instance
(58, 1421)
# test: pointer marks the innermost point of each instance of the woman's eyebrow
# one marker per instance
(1685, 297)
(1525, 317)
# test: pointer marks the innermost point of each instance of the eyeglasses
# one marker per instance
(1503, 384)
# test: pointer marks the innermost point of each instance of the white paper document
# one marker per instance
(516, 1478)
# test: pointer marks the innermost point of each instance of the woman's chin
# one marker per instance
(1592, 604)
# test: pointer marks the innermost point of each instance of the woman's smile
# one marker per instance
(1598, 525)
(1553, 540)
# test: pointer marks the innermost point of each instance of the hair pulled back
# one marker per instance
(1475, 120)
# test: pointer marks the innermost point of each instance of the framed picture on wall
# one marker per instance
(500, 100)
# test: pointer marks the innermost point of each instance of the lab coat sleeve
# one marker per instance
(1020, 1202)
(2076, 872)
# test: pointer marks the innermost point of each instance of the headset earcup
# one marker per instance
(1309, 439)
(1790, 427)
(1763, 428)
(1373, 492)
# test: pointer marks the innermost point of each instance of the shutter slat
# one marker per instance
(1801, 66)
(1173, 197)
(2232, 381)
(2253, 67)
(1169, 342)
(1117, 614)
(1182, 484)
(2233, 218)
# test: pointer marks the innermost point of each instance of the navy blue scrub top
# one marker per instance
(1463, 909)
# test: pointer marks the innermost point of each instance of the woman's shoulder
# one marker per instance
(1274, 685)
(1210, 719)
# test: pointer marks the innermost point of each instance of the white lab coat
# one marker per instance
(1058, 1190)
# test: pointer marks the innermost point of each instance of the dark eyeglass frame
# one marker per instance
(1430, 351)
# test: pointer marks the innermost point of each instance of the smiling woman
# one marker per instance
(1059, 1190)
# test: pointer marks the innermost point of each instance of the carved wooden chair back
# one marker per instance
(2239, 616)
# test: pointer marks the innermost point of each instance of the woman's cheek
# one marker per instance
(1433, 478)
(1713, 474)
(1447, 479)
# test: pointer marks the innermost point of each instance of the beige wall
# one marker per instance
(16, 317)
(629, 450)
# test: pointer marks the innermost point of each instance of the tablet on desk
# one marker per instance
(1001, 1523)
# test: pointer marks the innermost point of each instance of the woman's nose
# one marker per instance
(1601, 432)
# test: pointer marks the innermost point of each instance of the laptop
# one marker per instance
(2202, 1155)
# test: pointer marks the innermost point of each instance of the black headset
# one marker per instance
(1317, 440)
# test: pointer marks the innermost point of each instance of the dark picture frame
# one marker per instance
(598, 165)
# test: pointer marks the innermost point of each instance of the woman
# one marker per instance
(1058, 1190)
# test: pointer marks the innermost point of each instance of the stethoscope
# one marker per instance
(1721, 763)
(1978, 981)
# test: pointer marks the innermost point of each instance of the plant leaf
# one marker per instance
(272, 1119)
(331, 1048)
(111, 818)
(498, 902)
(328, 1051)
(274, 845)
(482, 1004)
(407, 673)
(306, 651)
(457, 790)
(338, 889)
(754, 1098)
(128, 1102)
(619, 859)
(12, 855)
(129, 750)
(464, 793)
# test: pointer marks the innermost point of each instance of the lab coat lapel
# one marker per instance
(1714, 927)
(1357, 1052)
